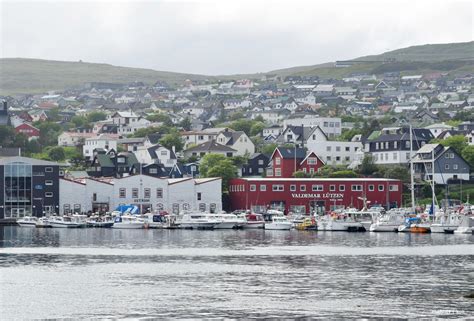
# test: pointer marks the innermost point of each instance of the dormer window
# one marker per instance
(121, 160)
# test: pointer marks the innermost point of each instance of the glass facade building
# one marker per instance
(18, 193)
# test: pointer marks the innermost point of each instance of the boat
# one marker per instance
(466, 226)
(278, 223)
(72, 221)
(307, 224)
(388, 222)
(153, 220)
(200, 221)
(446, 223)
(101, 222)
(128, 221)
(254, 220)
(228, 221)
(43, 222)
(27, 221)
(339, 222)
(365, 216)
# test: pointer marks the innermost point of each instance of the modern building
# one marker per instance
(331, 126)
(309, 195)
(147, 192)
(28, 187)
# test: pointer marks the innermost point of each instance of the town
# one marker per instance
(295, 144)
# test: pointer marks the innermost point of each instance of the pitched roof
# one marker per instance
(289, 152)
(210, 145)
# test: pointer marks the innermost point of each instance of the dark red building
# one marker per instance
(307, 195)
(286, 160)
(28, 129)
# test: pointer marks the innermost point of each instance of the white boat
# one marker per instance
(153, 220)
(278, 223)
(27, 221)
(102, 222)
(466, 225)
(228, 221)
(73, 221)
(254, 220)
(197, 221)
(339, 222)
(128, 222)
(43, 222)
(446, 223)
(388, 222)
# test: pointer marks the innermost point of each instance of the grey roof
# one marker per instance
(10, 151)
(289, 152)
(234, 136)
(210, 146)
(32, 161)
(133, 140)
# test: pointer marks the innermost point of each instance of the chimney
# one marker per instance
(5, 107)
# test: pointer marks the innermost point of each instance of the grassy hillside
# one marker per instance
(18, 75)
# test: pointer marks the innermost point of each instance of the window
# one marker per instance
(338, 158)
(356, 188)
(153, 171)
(48, 169)
(328, 158)
(332, 188)
(260, 162)
(159, 193)
(446, 166)
(381, 188)
(202, 207)
(94, 197)
(292, 188)
(48, 182)
(277, 171)
(371, 188)
(342, 188)
(393, 188)
(135, 192)
(122, 193)
(348, 149)
(277, 188)
(347, 158)
(199, 196)
(328, 148)
(338, 148)
(48, 194)
(253, 188)
(147, 193)
(312, 161)
(303, 188)
(317, 188)
(263, 188)
(455, 166)
(277, 161)
(394, 156)
(164, 153)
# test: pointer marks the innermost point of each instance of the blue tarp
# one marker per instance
(130, 209)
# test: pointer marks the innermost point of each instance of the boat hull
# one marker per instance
(438, 228)
(67, 225)
(27, 224)
(128, 226)
(254, 225)
(384, 228)
(278, 226)
(419, 229)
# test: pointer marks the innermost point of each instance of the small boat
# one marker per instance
(128, 222)
(420, 228)
(308, 224)
(153, 220)
(335, 222)
(446, 223)
(409, 222)
(466, 225)
(388, 222)
(101, 222)
(200, 221)
(43, 222)
(73, 221)
(228, 221)
(254, 221)
(27, 221)
(278, 223)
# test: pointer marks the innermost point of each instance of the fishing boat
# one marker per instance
(389, 222)
(254, 220)
(307, 224)
(27, 221)
(128, 221)
(100, 222)
(228, 221)
(278, 223)
(200, 221)
(73, 221)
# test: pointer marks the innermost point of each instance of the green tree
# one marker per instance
(79, 121)
(343, 174)
(186, 123)
(457, 142)
(468, 155)
(208, 161)
(161, 118)
(96, 116)
(259, 118)
(239, 161)
(368, 167)
(257, 128)
(237, 116)
(172, 139)
(242, 125)
(268, 149)
(217, 165)
(56, 153)
(300, 174)
(49, 133)
(395, 172)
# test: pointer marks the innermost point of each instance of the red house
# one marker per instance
(286, 160)
(28, 129)
(309, 195)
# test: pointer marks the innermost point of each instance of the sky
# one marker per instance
(216, 37)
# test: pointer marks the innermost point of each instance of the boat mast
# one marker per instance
(412, 179)
(433, 195)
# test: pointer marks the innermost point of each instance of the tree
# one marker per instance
(242, 125)
(217, 165)
(186, 124)
(208, 161)
(56, 153)
(343, 174)
(49, 133)
(256, 128)
(268, 149)
(79, 121)
(239, 161)
(468, 155)
(96, 116)
(259, 118)
(161, 118)
(368, 167)
(300, 174)
(237, 116)
(457, 142)
(395, 172)
(173, 139)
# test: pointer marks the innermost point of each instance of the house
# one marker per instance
(202, 136)
(4, 115)
(101, 141)
(426, 116)
(156, 154)
(322, 90)
(437, 128)
(73, 138)
(112, 164)
(256, 165)
(237, 140)
(285, 161)
(439, 163)
(392, 146)
(295, 135)
(274, 130)
(29, 130)
(209, 147)
(331, 126)
(128, 122)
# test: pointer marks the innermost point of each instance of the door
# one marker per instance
(18, 212)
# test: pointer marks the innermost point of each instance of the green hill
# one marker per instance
(18, 75)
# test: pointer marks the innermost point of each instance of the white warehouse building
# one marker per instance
(148, 193)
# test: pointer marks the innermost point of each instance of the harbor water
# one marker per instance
(107, 273)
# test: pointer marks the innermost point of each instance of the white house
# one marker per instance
(102, 141)
(274, 130)
(128, 122)
(331, 126)
(73, 138)
(156, 154)
(438, 128)
(202, 136)
(237, 140)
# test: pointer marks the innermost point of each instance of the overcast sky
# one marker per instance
(226, 36)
